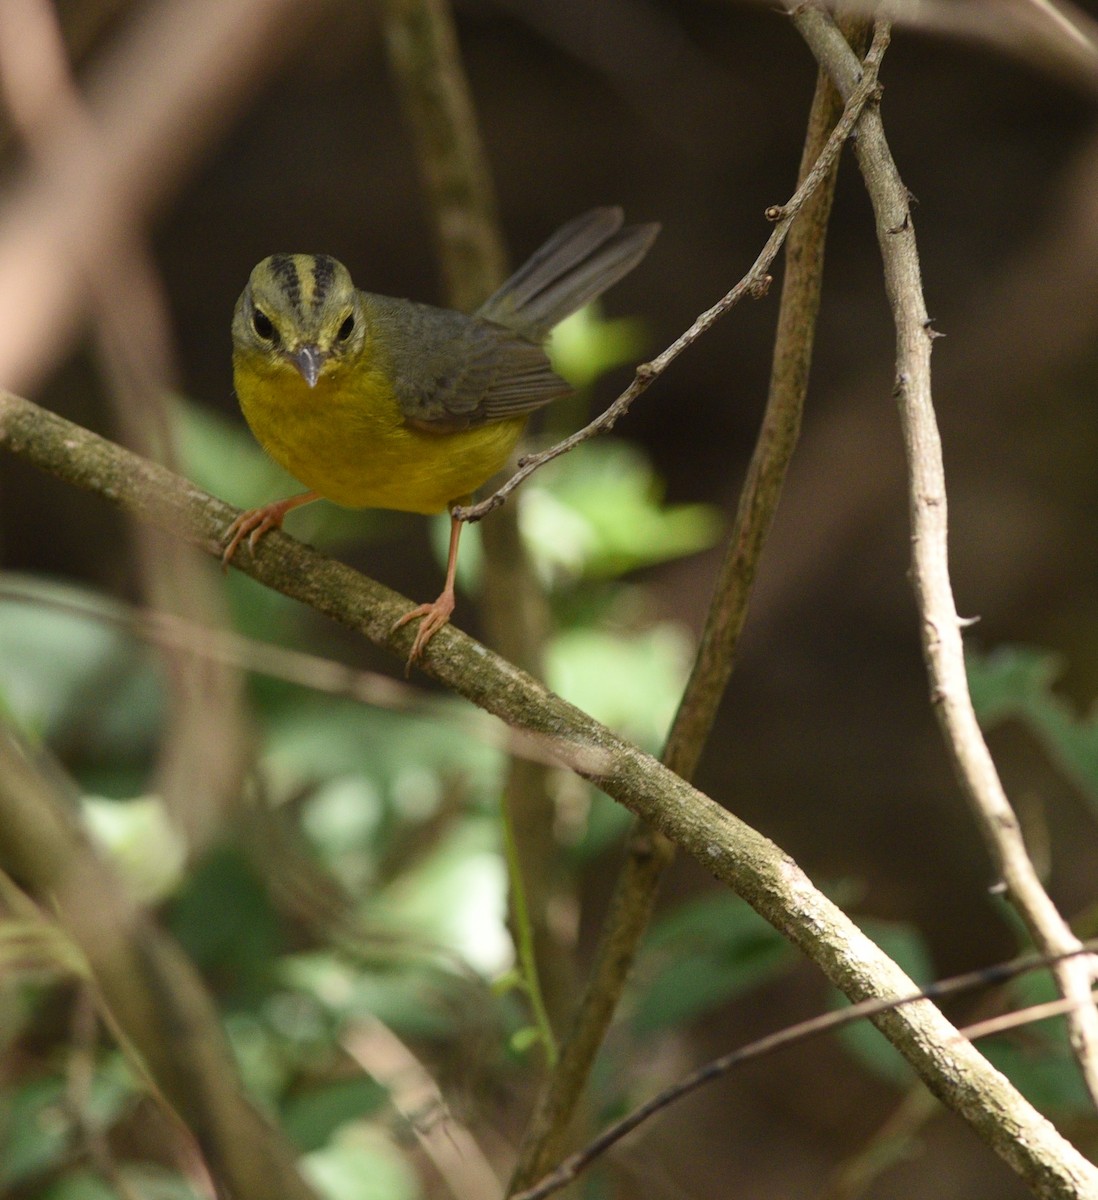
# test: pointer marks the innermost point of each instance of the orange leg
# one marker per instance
(437, 613)
(254, 523)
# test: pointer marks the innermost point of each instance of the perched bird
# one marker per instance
(374, 402)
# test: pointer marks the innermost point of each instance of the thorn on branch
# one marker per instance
(759, 287)
(931, 332)
(966, 622)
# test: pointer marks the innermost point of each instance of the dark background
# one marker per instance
(693, 114)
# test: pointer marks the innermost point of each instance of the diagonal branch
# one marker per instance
(754, 283)
(940, 624)
(749, 863)
(648, 853)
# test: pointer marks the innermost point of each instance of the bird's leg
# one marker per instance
(255, 522)
(437, 613)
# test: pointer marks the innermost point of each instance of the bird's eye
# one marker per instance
(347, 328)
(264, 326)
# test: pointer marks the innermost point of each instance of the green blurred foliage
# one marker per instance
(1016, 682)
(399, 810)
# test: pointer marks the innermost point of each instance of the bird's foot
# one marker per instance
(432, 616)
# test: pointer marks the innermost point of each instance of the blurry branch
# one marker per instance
(227, 648)
(648, 853)
(1051, 36)
(754, 283)
(803, 1031)
(149, 990)
(427, 67)
(750, 864)
(941, 626)
(412, 1091)
(426, 62)
(202, 756)
(169, 87)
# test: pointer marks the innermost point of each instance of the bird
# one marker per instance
(376, 402)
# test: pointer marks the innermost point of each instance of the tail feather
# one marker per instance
(577, 264)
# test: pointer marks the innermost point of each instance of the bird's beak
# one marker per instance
(308, 360)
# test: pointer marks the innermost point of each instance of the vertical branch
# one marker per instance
(940, 624)
(426, 60)
(648, 852)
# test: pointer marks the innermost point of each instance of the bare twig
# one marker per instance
(941, 626)
(755, 283)
(648, 853)
(791, 1035)
(750, 864)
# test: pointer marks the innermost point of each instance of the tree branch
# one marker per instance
(940, 624)
(648, 853)
(753, 866)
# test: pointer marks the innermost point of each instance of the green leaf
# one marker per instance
(584, 346)
(312, 1117)
(701, 955)
(361, 1164)
(598, 511)
(36, 1132)
(1017, 681)
(1037, 1058)
(630, 682)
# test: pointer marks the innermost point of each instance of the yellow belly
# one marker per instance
(348, 441)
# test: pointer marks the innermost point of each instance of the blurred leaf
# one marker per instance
(312, 1117)
(80, 1186)
(701, 955)
(1017, 681)
(226, 923)
(584, 346)
(61, 672)
(1037, 1058)
(598, 511)
(905, 945)
(456, 897)
(36, 1130)
(605, 826)
(360, 1163)
(630, 682)
(145, 846)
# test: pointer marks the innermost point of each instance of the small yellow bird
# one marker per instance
(374, 402)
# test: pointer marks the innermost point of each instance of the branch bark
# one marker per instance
(750, 864)
(941, 625)
(649, 853)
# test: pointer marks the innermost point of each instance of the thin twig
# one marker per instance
(750, 864)
(790, 1035)
(648, 853)
(755, 283)
(940, 623)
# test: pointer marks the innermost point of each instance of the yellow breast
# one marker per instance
(347, 439)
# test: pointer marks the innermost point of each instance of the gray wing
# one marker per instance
(452, 371)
